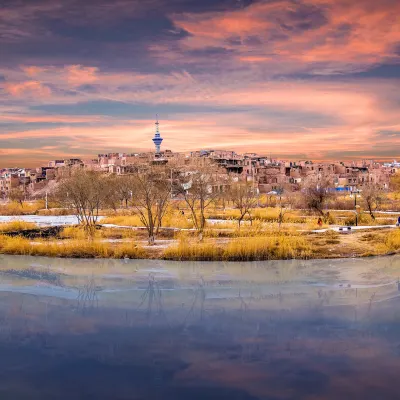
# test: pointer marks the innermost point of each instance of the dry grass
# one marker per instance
(78, 232)
(187, 250)
(268, 248)
(14, 208)
(122, 220)
(268, 214)
(172, 218)
(367, 220)
(278, 246)
(71, 249)
(16, 226)
(393, 240)
(55, 212)
(312, 224)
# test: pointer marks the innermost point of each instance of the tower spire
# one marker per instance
(157, 139)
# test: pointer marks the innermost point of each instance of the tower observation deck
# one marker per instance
(157, 139)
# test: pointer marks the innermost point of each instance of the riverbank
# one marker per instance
(217, 245)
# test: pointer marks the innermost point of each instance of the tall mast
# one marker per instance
(157, 139)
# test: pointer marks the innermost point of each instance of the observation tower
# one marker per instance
(157, 139)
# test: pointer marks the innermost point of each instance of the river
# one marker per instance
(150, 329)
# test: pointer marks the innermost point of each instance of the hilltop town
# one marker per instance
(265, 173)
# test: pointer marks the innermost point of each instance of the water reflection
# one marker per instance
(152, 330)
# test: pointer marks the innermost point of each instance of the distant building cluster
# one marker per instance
(265, 173)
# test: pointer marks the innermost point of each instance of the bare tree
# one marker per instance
(285, 202)
(17, 195)
(244, 198)
(151, 191)
(316, 196)
(84, 192)
(118, 188)
(197, 189)
(123, 189)
(373, 198)
(111, 198)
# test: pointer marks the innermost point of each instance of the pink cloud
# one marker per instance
(50, 118)
(28, 88)
(78, 75)
(355, 33)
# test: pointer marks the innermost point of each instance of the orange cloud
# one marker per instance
(28, 88)
(333, 31)
(78, 75)
(33, 70)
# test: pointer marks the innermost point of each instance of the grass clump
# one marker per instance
(55, 212)
(172, 218)
(331, 237)
(268, 248)
(123, 220)
(16, 226)
(186, 250)
(78, 232)
(242, 249)
(71, 249)
(15, 208)
(393, 240)
(268, 214)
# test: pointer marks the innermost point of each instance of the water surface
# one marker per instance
(146, 329)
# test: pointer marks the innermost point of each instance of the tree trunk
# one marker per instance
(239, 222)
(370, 212)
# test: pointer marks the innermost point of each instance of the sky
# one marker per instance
(301, 79)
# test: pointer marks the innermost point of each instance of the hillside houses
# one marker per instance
(265, 173)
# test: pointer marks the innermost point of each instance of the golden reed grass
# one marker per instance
(393, 240)
(242, 249)
(16, 226)
(78, 232)
(70, 249)
(172, 218)
(14, 208)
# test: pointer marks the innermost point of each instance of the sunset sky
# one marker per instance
(315, 79)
